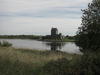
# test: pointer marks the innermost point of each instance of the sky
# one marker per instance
(37, 17)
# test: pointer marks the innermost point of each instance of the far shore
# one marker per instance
(65, 40)
(46, 40)
(38, 38)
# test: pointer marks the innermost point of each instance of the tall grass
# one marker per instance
(27, 62)
(33, 62)
(88, 64)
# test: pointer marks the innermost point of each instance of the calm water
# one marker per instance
(68, 47)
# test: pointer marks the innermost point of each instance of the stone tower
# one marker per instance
(54, 32)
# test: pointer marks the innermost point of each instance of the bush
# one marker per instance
(0, 43)
(5, 44)
(90, 63)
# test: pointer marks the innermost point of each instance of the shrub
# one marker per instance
(90, 63)
(5, 44)
(0, 43)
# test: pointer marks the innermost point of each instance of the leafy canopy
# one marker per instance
(88, 35)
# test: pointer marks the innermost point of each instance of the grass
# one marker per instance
(27, 62)
(88, 64)
(68, 40)
(33, 62)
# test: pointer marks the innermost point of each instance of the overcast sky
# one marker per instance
(39, 16)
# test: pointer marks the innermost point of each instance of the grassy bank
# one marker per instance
(27, 62)
(32, 62)
(88, 64)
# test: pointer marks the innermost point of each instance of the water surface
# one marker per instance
(69, 47)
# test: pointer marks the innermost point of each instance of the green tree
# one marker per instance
(88, 35)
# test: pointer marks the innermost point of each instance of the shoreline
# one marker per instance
(46, 40)
(58, 40)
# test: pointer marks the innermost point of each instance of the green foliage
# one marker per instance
(88, 36)
(0, 43)
(69, 39)
(90, 63)
(5, 44)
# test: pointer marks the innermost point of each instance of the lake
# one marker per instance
(69, 47)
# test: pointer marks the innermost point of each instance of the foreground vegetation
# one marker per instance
(32, 62)
(27, 62)
(88, 64)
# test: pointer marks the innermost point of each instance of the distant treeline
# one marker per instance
(36, 37)
(20, 37)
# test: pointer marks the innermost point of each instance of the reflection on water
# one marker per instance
(55, 45)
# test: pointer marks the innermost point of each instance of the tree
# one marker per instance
(88, 35)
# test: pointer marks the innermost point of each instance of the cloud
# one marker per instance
(41, 26)
(41, 8)
(26, 16)
(38, 5)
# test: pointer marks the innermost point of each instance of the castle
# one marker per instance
(54, 34)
